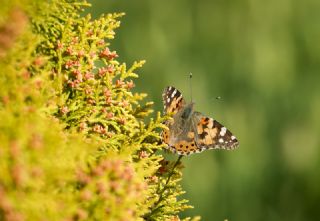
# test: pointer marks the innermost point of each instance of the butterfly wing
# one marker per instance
(181, 140)
(210, 134)
(172, 100)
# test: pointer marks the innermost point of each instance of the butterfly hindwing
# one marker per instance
(181, 140)
(211, 134)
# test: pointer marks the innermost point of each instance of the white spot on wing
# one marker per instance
(223, 131)
(168, 100)
(173, 93)
(233, 137)
(220, 140)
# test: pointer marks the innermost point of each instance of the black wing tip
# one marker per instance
(169, 88)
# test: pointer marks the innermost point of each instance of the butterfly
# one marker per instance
(191, 131)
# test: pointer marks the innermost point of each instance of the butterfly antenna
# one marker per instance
(190, 84)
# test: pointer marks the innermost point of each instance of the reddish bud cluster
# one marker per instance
(69, 50)
(110, 69)
(109, 100)
(153, 179)
(83, 126)
(38, 83)
(112, 181)
(109, 115)
(90, 33)
(143, 154)
(26, 75)
(71, 63)
(80, 215)
(7, 210)
(102, 71)
(128, 173)
(101, 42)
(64, 110)
(78, 75)
(15, 150)
(106, 53)
(88, 75)
(82, 177)
(37, 172)
(130, 84)
(59, 45)
(68, 64)
(73, 84)
(99, 129)
(36, 141)
(80, 53)
(86, 195)
(121, 120)
(11, 28)
(38, 62)
(107, 92)
(5, 99)
(92, 54)
(91, 101)
(119, 83)
(123, 103)
(75, 40)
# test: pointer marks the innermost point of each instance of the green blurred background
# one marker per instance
(263, 59)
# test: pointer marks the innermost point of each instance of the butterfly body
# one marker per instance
(189, 130)
(187, 111)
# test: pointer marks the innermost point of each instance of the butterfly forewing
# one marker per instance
(172, 100)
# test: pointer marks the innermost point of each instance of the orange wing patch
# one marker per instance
(165, 136)
(176, 104)
(191, 135)
(182, 147)
(207, 133)
(185, 148)
(211, 135)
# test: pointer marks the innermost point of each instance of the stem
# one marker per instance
(171, 173)
(165, 187)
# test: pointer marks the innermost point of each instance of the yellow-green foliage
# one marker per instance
(74, 142)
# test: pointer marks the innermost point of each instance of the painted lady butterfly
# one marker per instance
(190, 131)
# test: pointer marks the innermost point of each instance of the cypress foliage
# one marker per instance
(75, 141)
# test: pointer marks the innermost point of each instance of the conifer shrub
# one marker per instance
(76, 143)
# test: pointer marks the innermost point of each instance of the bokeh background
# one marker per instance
(263, 59)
